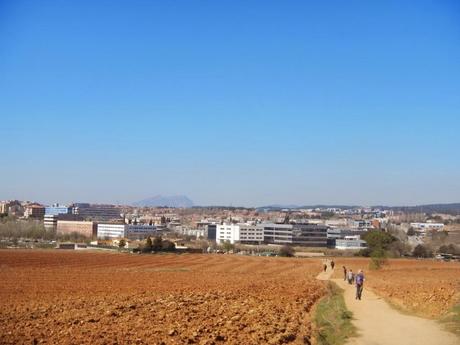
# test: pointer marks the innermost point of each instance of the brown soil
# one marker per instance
(60, 297)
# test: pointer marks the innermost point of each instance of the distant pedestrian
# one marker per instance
(351, 277)
(344, 273)
(325, 267)
(332, 264)
(359, 284)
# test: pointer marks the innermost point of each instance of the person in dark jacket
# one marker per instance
(344, 273)
(359, 281)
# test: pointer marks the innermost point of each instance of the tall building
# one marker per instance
(96, 212)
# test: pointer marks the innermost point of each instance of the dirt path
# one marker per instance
(379, 324)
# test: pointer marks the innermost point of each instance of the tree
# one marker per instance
(227, 246)
(168, 245)
(378, 259)
(157, 243)
(286, 251)
(122, 243)
(420, 251)
(378, 239)
(148, 242)
(449, 249)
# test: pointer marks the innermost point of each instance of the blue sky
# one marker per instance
(231, 102)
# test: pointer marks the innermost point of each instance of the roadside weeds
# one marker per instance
(332, 319)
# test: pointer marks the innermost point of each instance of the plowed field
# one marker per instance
(426, 287)
(67, 297)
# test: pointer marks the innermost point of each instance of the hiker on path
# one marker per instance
(332, 264)
(325, 267)
(359, 284)
(344, 273)
(351, 276)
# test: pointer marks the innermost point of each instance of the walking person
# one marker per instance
(325, 267)
(332, 264)
(344, 273)
(359, 284)
(351, 276)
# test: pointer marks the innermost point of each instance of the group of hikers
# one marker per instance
(351, 278)
(357, 279)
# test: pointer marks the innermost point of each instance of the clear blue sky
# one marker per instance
(231, 102)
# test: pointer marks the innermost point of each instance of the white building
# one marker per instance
(350, 242)
(111, 231)
(422, 229)
(227, 232)
(50, 221)
(427, 226)
(131, 231)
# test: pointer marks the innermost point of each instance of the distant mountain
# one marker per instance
(179, 201)
(453, 208)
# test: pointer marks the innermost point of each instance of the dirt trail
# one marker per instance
(379, 324)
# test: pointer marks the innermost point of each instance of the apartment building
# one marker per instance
(34, 211)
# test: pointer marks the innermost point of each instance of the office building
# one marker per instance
(83, 228)
(211, 232)
(277, 233)
(251, 234)
(110, 231)
(309, 235)
(57, 209)
(141, 231)
(96, 212)
(350, 243)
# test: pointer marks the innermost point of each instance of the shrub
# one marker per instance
(286, 251)
(421, 251)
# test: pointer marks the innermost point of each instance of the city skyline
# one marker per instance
(231, 104)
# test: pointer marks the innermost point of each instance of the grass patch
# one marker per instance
(332, 318)
(451, 320)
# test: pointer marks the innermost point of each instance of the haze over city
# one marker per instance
(243, 104)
